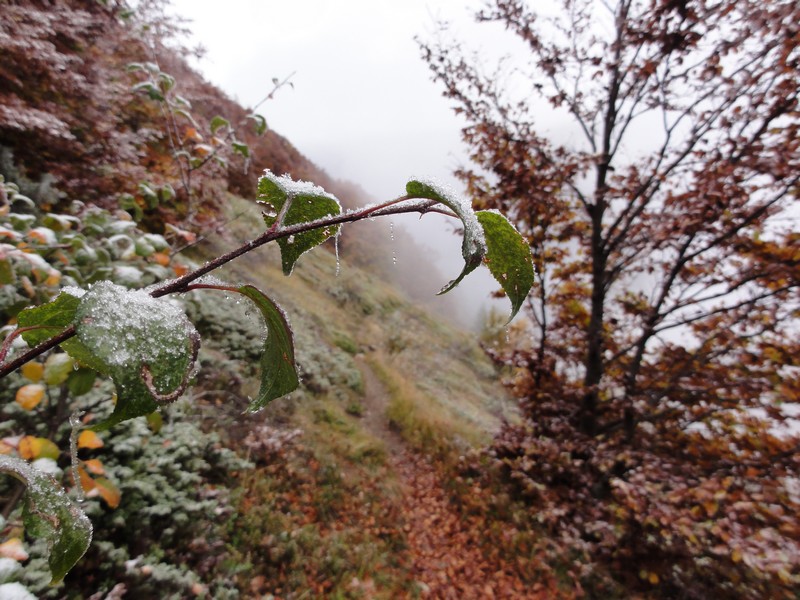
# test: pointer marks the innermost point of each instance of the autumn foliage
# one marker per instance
(658, 371)
(70, 110)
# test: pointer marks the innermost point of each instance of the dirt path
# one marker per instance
(445, 550)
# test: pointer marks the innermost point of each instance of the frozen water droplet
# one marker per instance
(269, 210)
(336, 248)
(508, 335)
(391, 230)
(290, 239)
(394, 257)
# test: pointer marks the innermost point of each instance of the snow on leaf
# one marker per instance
(261, 123)
(308, 202)
(15, 591)
(508, 257)
(218, 122)
(278, 370)
(57, 368)
(473, 248)
(50, 514)
(241, 148)
(57, 314)
(29, 396)
(146, 345)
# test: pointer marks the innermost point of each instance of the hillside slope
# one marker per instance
(329, 491)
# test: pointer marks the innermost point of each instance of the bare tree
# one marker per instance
(663, 224)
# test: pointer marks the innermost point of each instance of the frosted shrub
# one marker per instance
(142, 341)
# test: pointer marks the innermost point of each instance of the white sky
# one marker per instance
(363, 107)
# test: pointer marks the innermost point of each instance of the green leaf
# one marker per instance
(308, 202)
(217, 122)
(186, 115)
(128, 334)
(50, 514)
(261, 123)
(149, 195)
(150, 89)
(508, 257)
(57, 368)
(181, 101)
(167, 193)
(143, 248)
(155, 421)
(278, 370)
(56, 315)
(52, 317)
(7, 274)
(81, 381)
(473, 248)
(240, 148)
(165, 81)
(128, 203)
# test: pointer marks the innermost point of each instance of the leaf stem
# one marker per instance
(401, 205)
(13, 335)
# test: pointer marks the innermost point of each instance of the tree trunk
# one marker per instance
(594, 331)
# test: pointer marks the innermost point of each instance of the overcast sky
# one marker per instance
(363, 107)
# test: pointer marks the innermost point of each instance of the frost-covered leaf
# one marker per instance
(149, 88)
(261, 123)
(167, 193)
(217, 122)
(57, 314)
(278, 370)
(308, 203)
(165, 81)
(57, 368)
(145, 344)
(508, 257)
(473, 248)
(48, 513)
(149, 195)
(29, 396)
(240, 148)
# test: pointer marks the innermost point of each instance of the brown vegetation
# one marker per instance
(664, 320)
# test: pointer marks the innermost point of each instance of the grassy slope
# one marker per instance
(337, 315)
(335, 493)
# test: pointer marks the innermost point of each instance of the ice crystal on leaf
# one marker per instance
(146, 345)
(294, 202)
(473, 248)
(50, 514)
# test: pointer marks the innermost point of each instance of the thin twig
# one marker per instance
(401, 205)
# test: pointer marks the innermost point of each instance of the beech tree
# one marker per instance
(662, 362)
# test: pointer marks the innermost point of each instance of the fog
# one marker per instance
(362, 106)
